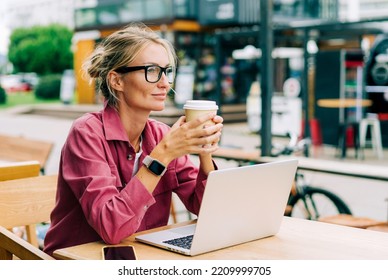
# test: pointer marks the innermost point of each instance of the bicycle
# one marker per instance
(307, 201)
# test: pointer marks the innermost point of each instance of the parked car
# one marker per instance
(16, 83)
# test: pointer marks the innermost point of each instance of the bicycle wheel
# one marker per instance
(312, 203)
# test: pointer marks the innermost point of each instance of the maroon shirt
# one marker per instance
(98, 200)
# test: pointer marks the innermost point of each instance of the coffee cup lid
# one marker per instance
(200, 105)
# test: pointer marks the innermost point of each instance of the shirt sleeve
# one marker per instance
(114, 211)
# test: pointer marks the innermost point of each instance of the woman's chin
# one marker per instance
(159, 107)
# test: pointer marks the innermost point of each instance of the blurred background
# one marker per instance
(321, 49)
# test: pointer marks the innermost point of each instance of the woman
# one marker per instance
(118, 168)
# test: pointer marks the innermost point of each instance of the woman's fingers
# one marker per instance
(202, 120)
(179, 122)
(194, 137)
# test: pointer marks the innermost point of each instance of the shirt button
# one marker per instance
(145, 207)
(129, 157)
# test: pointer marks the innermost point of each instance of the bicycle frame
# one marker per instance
(309, 204)
(307, 197)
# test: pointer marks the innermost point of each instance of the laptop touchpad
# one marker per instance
(186, 230)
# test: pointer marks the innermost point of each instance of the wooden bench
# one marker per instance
(239, 155)
(14, 148)
(352, 221)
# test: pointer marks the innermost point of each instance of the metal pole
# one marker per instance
(218, 55)
(266, 44)
(305, 88)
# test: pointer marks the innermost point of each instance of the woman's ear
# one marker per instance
(115, 81)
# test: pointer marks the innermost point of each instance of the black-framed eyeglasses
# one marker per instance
(152, 73)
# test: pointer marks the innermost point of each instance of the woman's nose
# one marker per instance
(164, 79)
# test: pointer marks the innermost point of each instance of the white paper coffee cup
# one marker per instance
(195, 108)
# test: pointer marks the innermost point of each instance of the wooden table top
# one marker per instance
(344, 103)
(297, 239)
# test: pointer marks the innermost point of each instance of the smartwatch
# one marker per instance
(154, 166)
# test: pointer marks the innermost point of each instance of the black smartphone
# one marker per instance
(125, 252)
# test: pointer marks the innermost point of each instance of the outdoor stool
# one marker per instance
(374, 124)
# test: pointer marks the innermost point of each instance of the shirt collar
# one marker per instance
(113, 127)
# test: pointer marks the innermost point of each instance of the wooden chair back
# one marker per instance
(18, 170)
(27, 202)
(14, 148)
(12, 246)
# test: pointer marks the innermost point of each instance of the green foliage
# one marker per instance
(49, 87)
(3, 96)
(41, 49)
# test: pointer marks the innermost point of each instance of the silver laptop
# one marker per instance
(240, 204)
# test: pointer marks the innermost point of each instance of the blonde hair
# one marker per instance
(120, 49)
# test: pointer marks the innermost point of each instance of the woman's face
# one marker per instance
(137, 93)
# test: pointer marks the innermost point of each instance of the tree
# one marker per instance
(41, 49)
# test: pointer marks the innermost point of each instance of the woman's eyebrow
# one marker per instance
(156, 64)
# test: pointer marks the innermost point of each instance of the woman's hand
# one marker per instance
(193, 137)
(214, 145)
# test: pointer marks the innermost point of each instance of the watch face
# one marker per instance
(156, 167)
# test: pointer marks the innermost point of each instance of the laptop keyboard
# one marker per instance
(183, 242)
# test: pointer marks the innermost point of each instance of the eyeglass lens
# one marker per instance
(154, 73)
